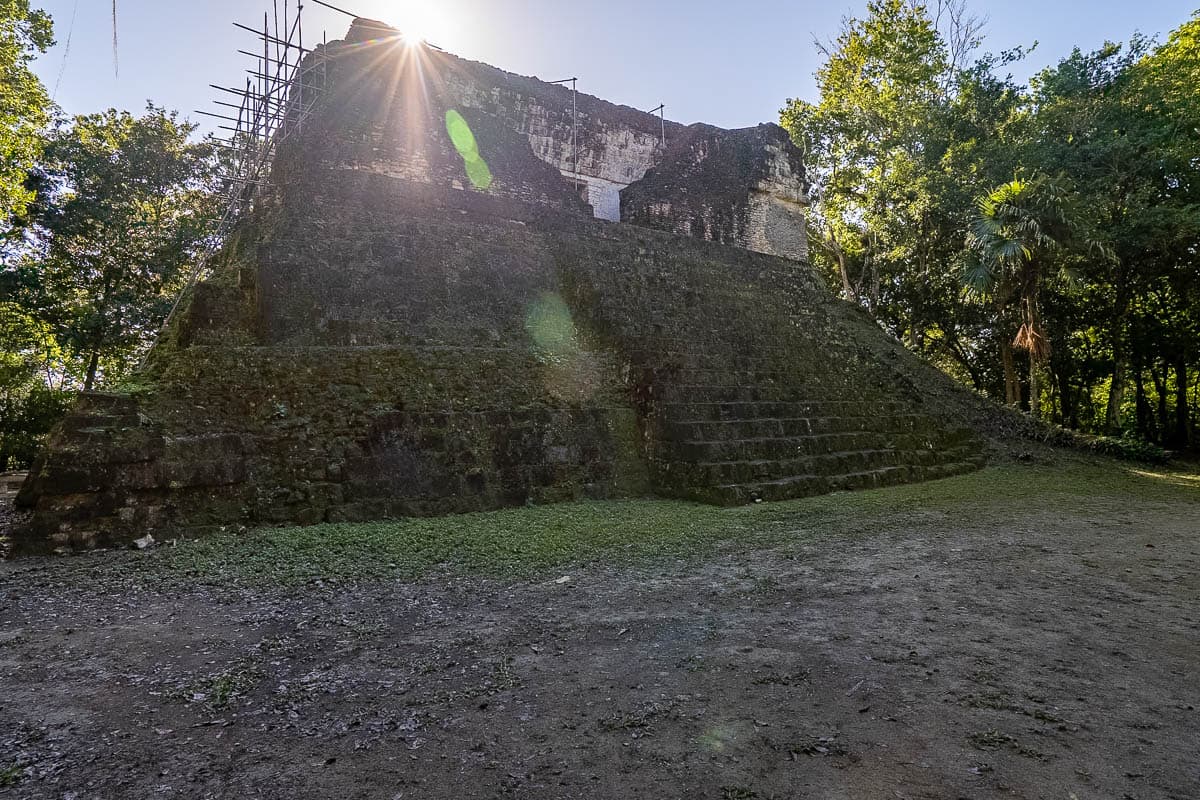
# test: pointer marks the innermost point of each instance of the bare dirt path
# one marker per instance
(991, 649)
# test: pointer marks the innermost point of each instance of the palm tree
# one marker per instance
(1021, 233)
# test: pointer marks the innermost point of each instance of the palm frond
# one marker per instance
(978, 276)
(1033, 340)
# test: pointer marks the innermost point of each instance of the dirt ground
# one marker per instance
(1027, 652)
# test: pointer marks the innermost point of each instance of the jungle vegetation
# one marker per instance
(1039, 241)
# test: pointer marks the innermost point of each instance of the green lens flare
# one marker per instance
(479, 174)
(460, 134)
(550, 326)
(570, 372)
(464, 141)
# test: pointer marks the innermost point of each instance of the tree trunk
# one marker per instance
(1160, 388)
(874, 289)
(1033, 339)
(1116, 396)
(93, 364)
(1035, 388)
(916, 337)
(1012, 386)
(1195, 406)
(1070, 413)
(1116, 391)
(840, 254)
(1055, 405)
(1183, 417)
(1145, 417)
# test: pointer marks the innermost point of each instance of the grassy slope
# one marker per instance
(538, 541)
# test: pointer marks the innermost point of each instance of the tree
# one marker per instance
(1020, 236)
(1164, 94)
(911, 149)
(1121, 122)
(910, 127)
(25, 109)
(865, 140)
(32, 378)
(125, 205)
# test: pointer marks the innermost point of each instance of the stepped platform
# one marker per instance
(384, 338)
(601, 366)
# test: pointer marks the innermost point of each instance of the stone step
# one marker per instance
(708, 358)
(11, 483)
(740, 393)
(785, 447)
(104, 403)
(718, 410)
(679, 474)
(713, 376)
(98, 421)
(717, 473)
(716, 427)
(812, 485)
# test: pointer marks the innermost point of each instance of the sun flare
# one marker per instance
(417, 21)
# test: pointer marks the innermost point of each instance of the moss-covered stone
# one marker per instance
(374, 345)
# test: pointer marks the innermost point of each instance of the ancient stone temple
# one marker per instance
(435, 310)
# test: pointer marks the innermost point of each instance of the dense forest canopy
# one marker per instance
(1037, 241)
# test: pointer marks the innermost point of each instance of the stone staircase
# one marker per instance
(109, 475)
(733, 445)
(749, 388)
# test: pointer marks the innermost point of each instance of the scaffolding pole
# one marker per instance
(278, 97)
(574, 124)
(662, 118)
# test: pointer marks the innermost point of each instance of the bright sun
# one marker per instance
(417, 21)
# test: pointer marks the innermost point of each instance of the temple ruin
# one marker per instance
(455, 295)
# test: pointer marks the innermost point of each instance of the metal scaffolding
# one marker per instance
(280, 93)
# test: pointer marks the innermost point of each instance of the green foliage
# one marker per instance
(124, 206)
(25, 108)
(908, 131)
(121, 205)
(1090, 254)
(32, 398)
(1129, 449)
(26, 417)
(11, 775)
(1021, 229)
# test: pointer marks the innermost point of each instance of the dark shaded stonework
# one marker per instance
(744, 188)
(387, 335)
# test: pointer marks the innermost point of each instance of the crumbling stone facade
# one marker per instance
(742, 188)
(425, 318)
(614, 147)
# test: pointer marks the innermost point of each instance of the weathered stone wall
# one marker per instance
(500, 358)
(380, 117)
(743, 188)
(617, 145)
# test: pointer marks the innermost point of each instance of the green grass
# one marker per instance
(10, 776)
(537, 541)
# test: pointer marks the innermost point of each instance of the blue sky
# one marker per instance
(728, 63)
